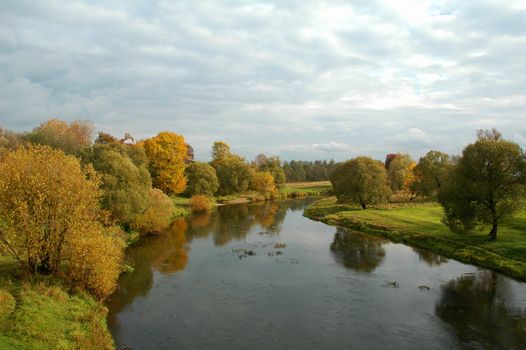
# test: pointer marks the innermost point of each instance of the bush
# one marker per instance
(200, 203)
(96, 263)
(7, 304)
(158, 213)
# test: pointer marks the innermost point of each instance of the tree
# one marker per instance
(9, 141)
(168, 154)
(189, 154)
(398, 170)
(46, 201)
(272, 165)
(263, 182)
(361, 180)
(125, 179)
(430, 173)
(220, 151)
(388, 159)
(202, 179)
(486, 186)
(233, 175)
(58, 134)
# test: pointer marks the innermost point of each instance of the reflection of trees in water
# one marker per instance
(234, 222)
(430, 258)
(166, 252)
(174, 256)
(300, 204)
(475, 308)
(357, 251)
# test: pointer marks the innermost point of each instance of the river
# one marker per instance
(262, 276)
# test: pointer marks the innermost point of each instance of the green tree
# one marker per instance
(273, 166)
(361, 180)
(486, 186)
(202, 179)
(125, 179)
(220, 151)
(430, 173)
(399, 168)
(158, 213)
(233, 174)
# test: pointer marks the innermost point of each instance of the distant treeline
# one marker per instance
(300, 170)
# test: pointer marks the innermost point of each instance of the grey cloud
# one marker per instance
(270, 76)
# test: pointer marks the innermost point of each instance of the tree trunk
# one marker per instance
(493, 233)
(364, 205)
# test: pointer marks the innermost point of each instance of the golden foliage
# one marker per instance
(200, 203)
(58, 134)
(168, 154)
(45, 198)
(158, 213)
(263, 182)
(96, 261)
(409, 177)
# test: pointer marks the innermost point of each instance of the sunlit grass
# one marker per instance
(420, 225)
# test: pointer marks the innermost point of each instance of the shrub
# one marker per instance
(200, 203)
(158, 213)
(96, 263)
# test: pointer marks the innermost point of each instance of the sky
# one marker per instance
(299, 79)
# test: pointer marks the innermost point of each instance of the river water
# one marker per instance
(264, 277)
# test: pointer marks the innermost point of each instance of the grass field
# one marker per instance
(419, 225)
(311, 188)
(41, 313)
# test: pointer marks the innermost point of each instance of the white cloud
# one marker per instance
(331, 146)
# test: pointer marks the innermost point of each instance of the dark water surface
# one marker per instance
(198, 287)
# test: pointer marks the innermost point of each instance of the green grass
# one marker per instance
(39, 312)
(419, 225)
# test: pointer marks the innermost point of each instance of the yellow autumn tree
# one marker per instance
(263, 182)
(168, 154)
(50, 218)
(409, 177)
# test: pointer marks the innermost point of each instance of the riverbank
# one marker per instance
(290, 190)
(419, 225)
(41, 312)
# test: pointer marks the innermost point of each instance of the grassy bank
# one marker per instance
(419, 225)
(40, 312)
(290, 190)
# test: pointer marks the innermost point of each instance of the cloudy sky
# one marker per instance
(300, 79)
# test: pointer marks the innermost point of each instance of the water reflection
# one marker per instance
(166, 253)
(476, 308)
(357, 251)
(174, 256)
(234, 222)
(430, 258)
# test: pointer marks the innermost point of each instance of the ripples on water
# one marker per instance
(265, 277)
